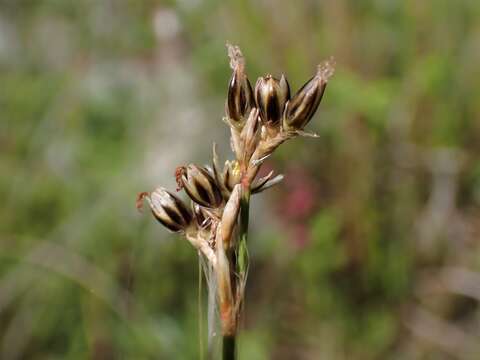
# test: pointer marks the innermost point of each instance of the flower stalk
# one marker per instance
(217, 224)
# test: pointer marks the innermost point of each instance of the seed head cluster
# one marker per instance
(260, 119)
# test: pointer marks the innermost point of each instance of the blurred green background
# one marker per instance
(368, 250)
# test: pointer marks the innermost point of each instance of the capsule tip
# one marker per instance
(237, 60)
(326, 69)
(139, 202)
(179, 172)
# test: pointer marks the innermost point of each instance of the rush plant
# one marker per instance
(216, 222)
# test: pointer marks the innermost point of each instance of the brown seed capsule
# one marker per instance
(240, 97)
(271, 95)
(199, 185)
(303, 105)
(169, 210)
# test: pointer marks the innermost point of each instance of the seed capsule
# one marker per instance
(303, 105)
(240, 96)
(271, 95)
(199, 185)
(168, 209)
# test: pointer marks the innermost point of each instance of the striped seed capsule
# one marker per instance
(240, 96)
(199, 185)
(271, 95)
(168, 209)
(303, 105)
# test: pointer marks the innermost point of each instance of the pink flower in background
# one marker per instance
(300, 194)
(299, 202)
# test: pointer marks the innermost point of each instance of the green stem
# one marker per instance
(229, 347)
(241, 264)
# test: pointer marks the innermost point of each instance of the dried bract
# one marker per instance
(266, 182)
(229, 217)
(250, 136)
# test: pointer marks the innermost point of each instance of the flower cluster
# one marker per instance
(260, 119)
